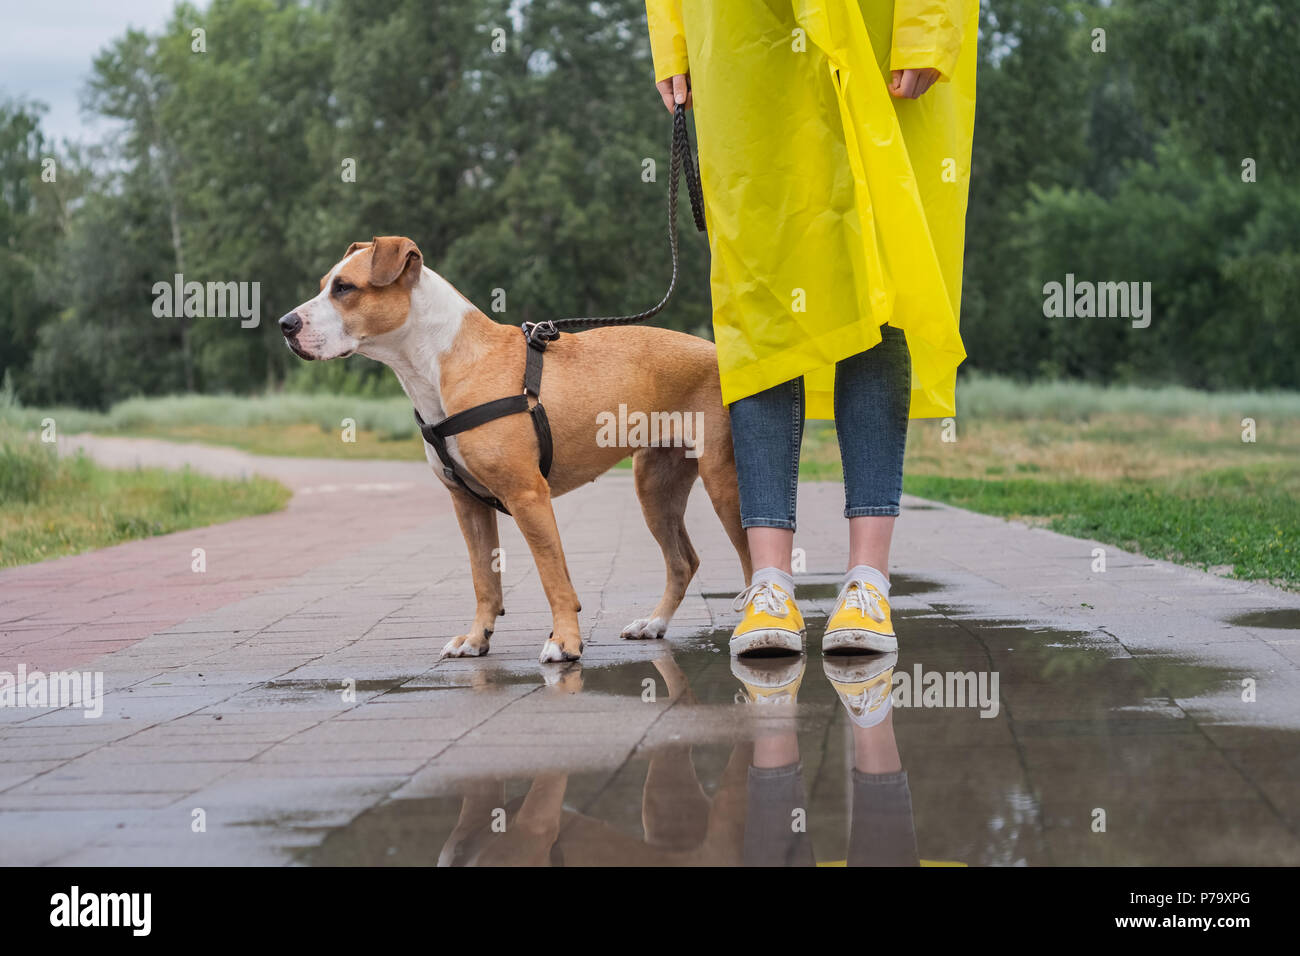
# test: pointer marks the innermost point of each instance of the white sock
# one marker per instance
(865, 572)
(774, 576)
(867, 721)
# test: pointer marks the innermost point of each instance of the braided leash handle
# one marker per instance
(682, 164)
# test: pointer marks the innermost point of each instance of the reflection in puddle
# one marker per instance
(1285, 618)
(1085, 758)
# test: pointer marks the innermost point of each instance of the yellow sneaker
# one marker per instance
(865, 686)
(860, 623)
(772, 623)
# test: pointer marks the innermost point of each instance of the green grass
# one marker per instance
(51, 507)
(1243, 519)
(310, 426)
(391, 416)
(989, 397)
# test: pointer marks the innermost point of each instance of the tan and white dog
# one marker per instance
(381, 301)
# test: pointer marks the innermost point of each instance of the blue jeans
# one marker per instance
(873, 390)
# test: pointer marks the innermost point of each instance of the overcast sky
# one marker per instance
(46, 48)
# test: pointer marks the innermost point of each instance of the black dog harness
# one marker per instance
(537, 335)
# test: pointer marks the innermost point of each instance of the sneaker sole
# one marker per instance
(857, 669)
(767, 641)
(856, 641)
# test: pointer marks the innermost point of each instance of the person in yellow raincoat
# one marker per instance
(834, 141)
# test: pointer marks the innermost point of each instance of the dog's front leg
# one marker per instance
(531, 507)
(478, 523)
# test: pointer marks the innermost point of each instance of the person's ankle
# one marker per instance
(783, 579)
(875, 577)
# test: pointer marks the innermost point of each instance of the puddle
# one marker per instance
(1284, 618)
(391, 685)
(1083, 756)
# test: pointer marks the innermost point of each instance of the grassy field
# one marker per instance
(1161, 471)
(310, 426)
(51, 507)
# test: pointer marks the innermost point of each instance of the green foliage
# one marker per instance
(26, 470)
(28, 209)
(1210, 246)
(1217, 73)
(1125, 165)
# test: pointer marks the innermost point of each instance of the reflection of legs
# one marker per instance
(674, 807)
(774, 834)
(482, 799)
(883, 832)
(875, 749)
(727, 818)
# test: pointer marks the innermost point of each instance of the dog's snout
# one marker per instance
(290, 324)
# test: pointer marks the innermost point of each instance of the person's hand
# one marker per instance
(910, 84)
(674, 90)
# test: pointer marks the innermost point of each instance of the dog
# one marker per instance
(380, 300)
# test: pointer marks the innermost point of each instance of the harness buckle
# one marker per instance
(541, 332)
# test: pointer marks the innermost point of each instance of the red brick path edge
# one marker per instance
(65, 612)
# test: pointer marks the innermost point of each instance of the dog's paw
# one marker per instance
(645, 629)
(466, 645)
(557, 650)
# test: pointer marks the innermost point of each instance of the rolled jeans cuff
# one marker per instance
(784, 523)
(876, 511)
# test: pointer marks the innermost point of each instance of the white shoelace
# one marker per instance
(865, 598)
(765, 596)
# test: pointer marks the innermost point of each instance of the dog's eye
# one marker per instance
(341, 287)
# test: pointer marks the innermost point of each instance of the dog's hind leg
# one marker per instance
(478, 524)
(717, 465)
(664, 477)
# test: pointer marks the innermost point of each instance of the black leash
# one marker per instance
(682, 164)
(538, 334)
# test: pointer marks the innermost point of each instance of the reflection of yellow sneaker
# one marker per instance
(865, 685)
(772, 623)
(860, 623)
(768, 680)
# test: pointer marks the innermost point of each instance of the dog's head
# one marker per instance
(366, 294)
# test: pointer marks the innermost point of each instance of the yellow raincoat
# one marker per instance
(832, 207)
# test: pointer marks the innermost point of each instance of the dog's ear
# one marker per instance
(354, 247)
(394, 257)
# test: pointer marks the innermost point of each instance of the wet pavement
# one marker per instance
(1037, 713)
(1078, 730)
